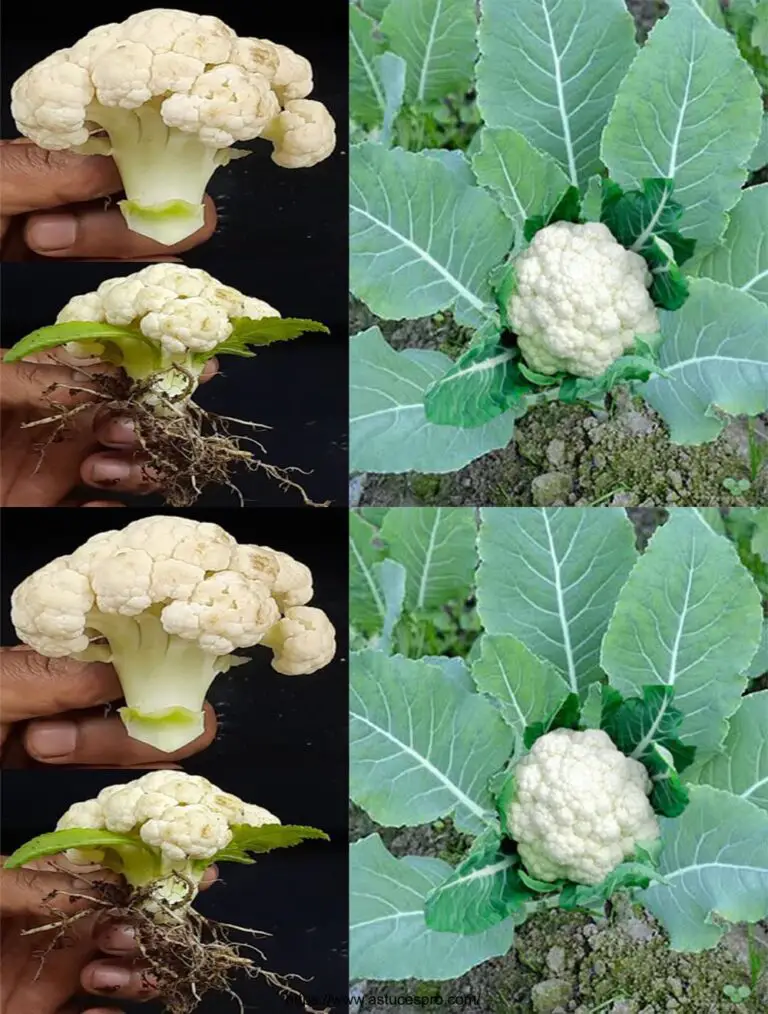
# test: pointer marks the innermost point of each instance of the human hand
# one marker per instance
(53, 711)
(54, 204)
(100, 956)
(94, 448)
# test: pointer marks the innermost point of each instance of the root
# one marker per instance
(184, 956)
(185, 448)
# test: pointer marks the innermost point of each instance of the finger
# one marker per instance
(91, 1010)
(43, 894)
(96, 740)
(33, 178)
(42, 386)
(32, 686)
(93, 232)
(110, 977)
(108, 470)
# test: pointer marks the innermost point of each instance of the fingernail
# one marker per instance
(52, 232)
(120, 938)
(52, 739)
(110, 471)
(110, 977)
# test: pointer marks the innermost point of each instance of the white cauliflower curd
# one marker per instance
(580, 300)
(167, 600)
(167, 93)
(580, 807)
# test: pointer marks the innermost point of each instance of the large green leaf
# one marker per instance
(525, 181)
(391, 578)
(247, 332)
(391, 70)
(483, 890)
(389, 938)
(389, 431)
(55, 335)
(759, 157)
(715, 360)
(375, 8)
(759, 663)
(366, 600)
(741, 260)
(421, 238)
(478, 388)
(550, 69)
(550, 578)
(689, 110)
(742, 766)
(53, 842)
(527, 688)
(366, 94)
(436, 545)
(690, 618)
(436, 38)
(247, 840)
(715, 862)
(421, 746)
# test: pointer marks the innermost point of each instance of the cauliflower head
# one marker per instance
(580, 807)
(185, 311)
(185, 820)
(580, 300)
(167, 93)
(168, 600)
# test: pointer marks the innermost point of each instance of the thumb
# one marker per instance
(40, 893)
(33, 178)
(39, 385)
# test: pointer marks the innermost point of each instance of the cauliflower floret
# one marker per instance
(289, 581)
(581, 299)
(580, 806)
(303, 134)
(257, 816)
(88, 814)
(303, 641)
(187, 832)
(191, 324)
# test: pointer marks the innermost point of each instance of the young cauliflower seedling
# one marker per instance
(168, 600)
(160, 833)
(167, 93)
(161, 326)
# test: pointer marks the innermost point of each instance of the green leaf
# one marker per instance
(759, 663)
(483, 384)
(421, 746)
(759, 157)
(591, 205)
(391, 71)
(436, 38)
(367, 608)
(759, 37)
(366, 95)
(715, 867)
(628, 875)
(53, 842)
(646, 221)
(527, 688)
(247, 840)
(567, 209)
(391, 578)
(436, 545)
(714, 360)
(566, 716)
(246, 331)
(689, 618)
(689, 110)
(741, 767)
(483, 890)
(389, 431)
(621, 371)
(551, 577)
(741, 260)
(550, 71)
(422, 239)
(638, 726)
(389, 938)
(76, 331)
(375, 8)
(524, 181)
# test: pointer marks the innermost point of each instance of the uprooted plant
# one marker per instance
(604, 734)
(161, 833)
(161, 326)
(595, 234)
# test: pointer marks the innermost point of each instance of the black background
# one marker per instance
(282, 743)
(299, 388)
(270, 215)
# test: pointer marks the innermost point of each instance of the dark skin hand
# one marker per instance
(100, 958)
(54, 711)
(58, 204)
(97, 449)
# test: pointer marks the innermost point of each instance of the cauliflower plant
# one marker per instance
(580, 807)
(167, 93)
(167, 600)
(580, 299)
